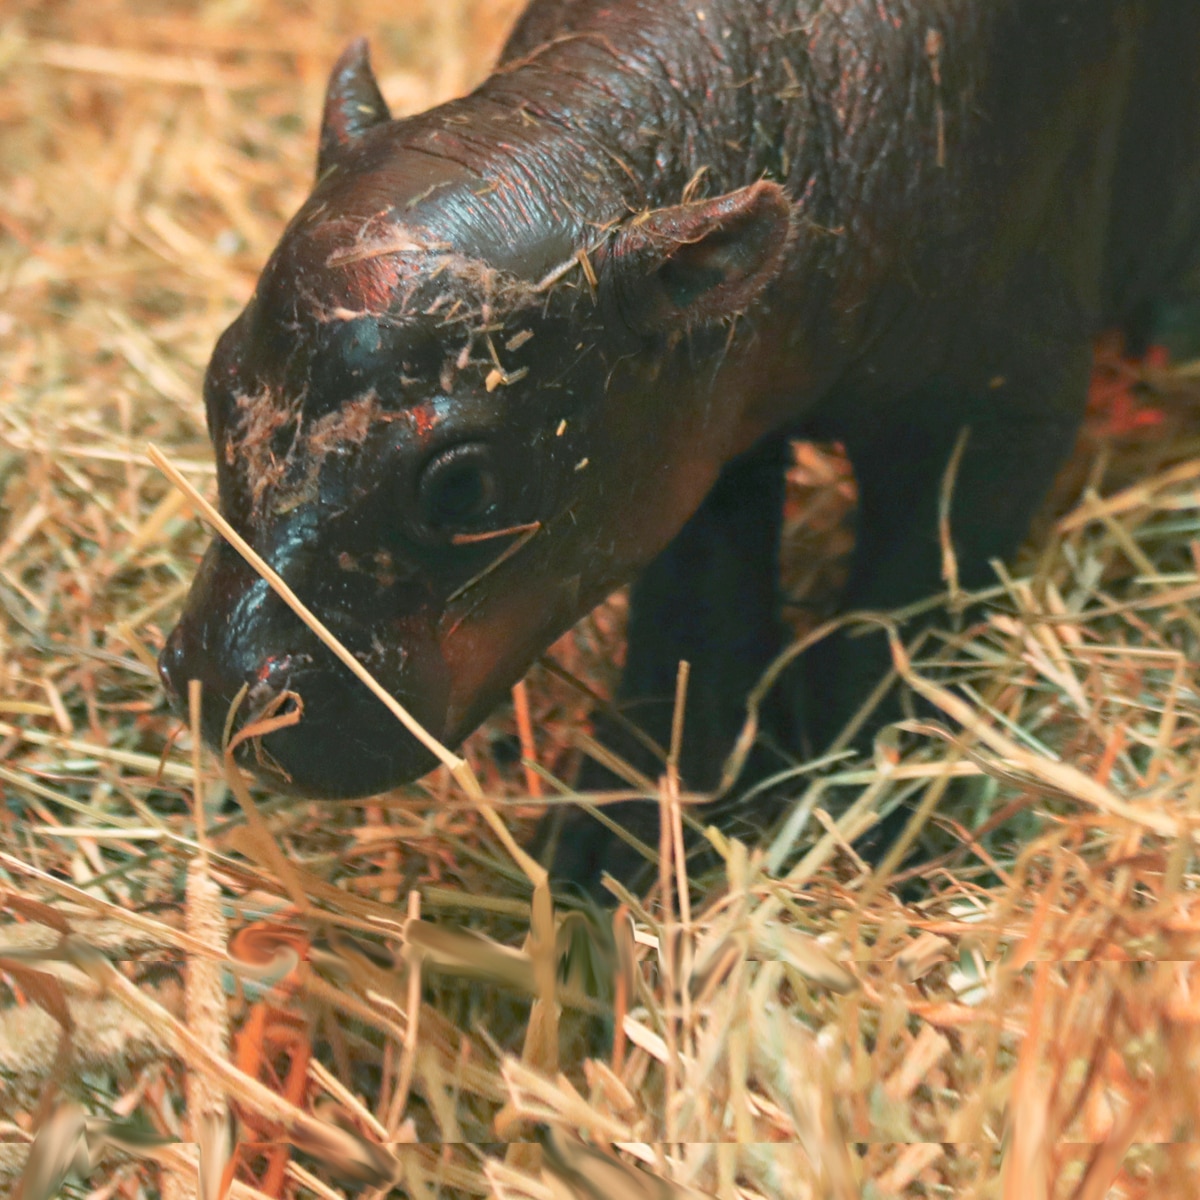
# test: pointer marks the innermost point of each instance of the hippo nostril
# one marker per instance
(170, 664)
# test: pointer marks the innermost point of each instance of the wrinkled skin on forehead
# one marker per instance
(417, 432)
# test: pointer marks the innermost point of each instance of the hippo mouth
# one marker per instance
(343, 745)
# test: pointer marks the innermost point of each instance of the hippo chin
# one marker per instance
(558, 335)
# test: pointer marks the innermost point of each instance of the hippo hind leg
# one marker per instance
(1012, 450)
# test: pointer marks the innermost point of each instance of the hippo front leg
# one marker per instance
(1009, 460)
(711, 598)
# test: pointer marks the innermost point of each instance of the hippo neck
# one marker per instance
(602, 121)
(676, 95)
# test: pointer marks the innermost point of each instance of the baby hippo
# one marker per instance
(558, 335)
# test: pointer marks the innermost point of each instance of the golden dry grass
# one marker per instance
(370, 995)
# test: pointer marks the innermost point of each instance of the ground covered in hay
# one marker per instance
(317, 1001)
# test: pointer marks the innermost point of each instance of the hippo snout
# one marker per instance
(237, 637)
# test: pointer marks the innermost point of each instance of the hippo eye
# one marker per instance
(459, 488)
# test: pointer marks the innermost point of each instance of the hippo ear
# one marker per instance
(353, 103)
(700, 261)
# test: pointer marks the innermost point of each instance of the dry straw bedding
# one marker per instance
(360, 982)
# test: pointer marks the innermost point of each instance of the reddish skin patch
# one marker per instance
(1115, 408)
(374, 284)
(424, 420)
(268, 667)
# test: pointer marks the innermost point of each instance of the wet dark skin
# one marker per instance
(556, 336)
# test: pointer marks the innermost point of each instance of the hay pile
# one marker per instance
(359, 985)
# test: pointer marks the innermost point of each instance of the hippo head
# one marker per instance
(453, 417)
